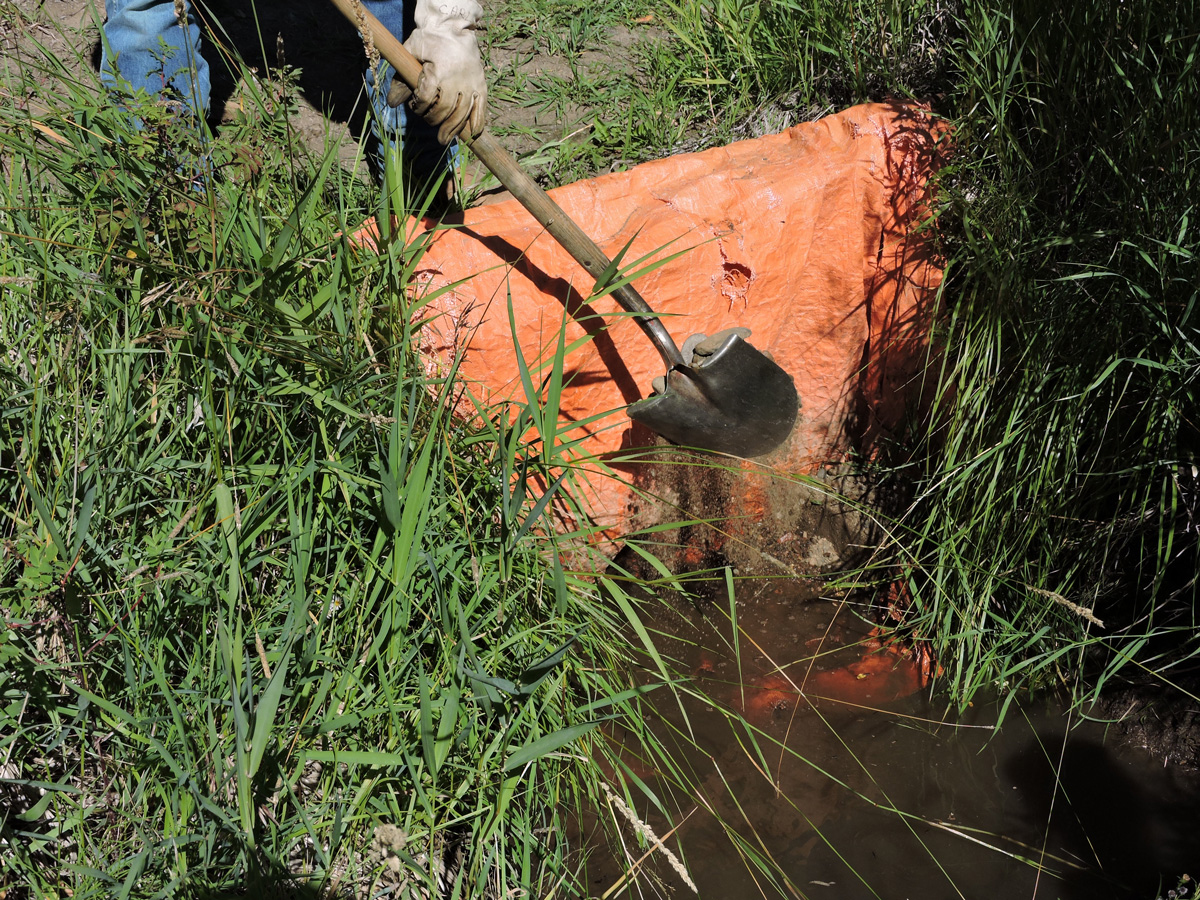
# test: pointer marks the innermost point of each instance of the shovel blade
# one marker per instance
(735, 401)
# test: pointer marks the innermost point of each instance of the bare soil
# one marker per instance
(313, 37)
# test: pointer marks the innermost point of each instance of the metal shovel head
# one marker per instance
(734, 401)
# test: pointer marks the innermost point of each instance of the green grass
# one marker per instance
(270, 611)
(740, 68)
(704, 72)
(1060, 474)
(1055, 478)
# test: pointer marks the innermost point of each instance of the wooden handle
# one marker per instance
(501, 164)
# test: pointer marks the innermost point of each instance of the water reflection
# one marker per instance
(1126, 824)
(892, 802)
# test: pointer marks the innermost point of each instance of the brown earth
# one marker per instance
(312, 36)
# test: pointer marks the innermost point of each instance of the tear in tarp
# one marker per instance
(808, 237)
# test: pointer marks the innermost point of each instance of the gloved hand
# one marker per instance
(451, 93)
(697, 348)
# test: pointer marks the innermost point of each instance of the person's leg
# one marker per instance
(137, 35)
(423, 155)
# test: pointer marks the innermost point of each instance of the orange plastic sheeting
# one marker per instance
(806, 237)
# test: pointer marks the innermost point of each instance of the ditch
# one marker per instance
(864, 794)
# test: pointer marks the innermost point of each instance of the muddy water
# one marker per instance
(866, 794)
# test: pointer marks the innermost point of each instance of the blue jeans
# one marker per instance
(147, 46)
(421, 148)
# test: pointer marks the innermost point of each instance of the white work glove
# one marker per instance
(451, 94)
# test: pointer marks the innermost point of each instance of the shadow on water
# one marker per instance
(1127, 825)
(890, 797)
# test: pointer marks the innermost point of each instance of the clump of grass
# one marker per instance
(1053, 530)
(1054, 487)
(750, 68)
(270, 613)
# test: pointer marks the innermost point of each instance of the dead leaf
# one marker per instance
(49, 132)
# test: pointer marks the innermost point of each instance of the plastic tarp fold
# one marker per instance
(809, 237)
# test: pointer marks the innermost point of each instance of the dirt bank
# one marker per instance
(313, 37)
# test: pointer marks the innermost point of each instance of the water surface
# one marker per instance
(888, 798)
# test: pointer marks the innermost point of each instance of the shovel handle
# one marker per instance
(501, 164)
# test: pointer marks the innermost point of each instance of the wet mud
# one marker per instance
(820, 752)
(761, 521)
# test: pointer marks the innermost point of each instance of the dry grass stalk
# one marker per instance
(360, 18)
(646, 832)
(1082, 611)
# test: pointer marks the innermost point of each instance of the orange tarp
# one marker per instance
(806, 237)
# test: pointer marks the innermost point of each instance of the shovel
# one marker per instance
(726, 397)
